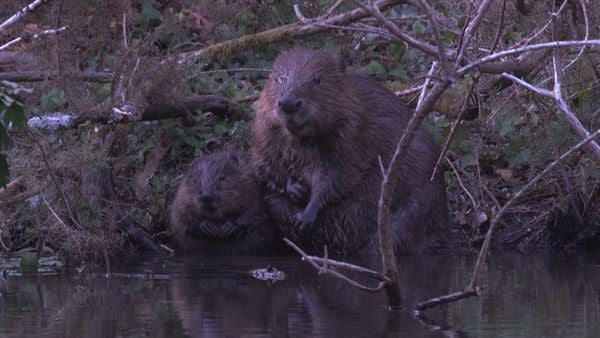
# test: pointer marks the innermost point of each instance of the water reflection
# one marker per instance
(527, 296)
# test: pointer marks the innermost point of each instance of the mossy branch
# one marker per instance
(280, 34)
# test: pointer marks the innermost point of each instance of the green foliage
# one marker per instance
(11, 116)
(51, 101)
(377, 69)
(29, 263)
(151, 17)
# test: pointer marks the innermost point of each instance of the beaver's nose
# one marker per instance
(290, 104)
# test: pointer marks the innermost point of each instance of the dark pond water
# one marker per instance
(526, 296)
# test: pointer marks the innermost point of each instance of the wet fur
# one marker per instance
(235, 221)
(349, 120)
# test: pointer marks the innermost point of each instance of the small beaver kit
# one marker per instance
(218, 208)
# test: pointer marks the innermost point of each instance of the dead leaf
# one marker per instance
(143, 176)
(203, 25)
(506, 174)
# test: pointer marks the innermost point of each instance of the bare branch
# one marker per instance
(387, 188)
(426, 84)
(299, 14)
(438, 37)
(409, 91)
(324, 269)
(291, 31)
(470, 30)
(535, 89)
(468, 292)
(21, 14)
(508, 52)
(350, 267)
(34, 37)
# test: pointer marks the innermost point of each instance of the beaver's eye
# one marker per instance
(316, 79)
(222, 178)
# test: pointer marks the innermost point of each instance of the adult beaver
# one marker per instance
(319, 134)
(218, 208)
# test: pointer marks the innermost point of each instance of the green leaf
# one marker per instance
(522, 158)
(4, 172)
(51, 101)
(150, 15)
(14, 114)
(219, 129)
(29, 262)
(399, 74)
(377, 69)
(507, 127)
(468, 160)
(396, 50)
(534, 119)
(5, 141)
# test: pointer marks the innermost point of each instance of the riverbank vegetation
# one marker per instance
(121, 95)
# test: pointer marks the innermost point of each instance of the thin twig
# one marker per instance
(409, 91)
(107, 263)
(470, 30)
(535, 89)
(438, 37)
(124, 31)
(52, 211)
(460, 182)
(3, 245)
(350, 267)
(500, 27)
(426, 84)
(586, 35)
(323, 269)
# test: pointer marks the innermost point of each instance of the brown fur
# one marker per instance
(218, 209)
(319, 133)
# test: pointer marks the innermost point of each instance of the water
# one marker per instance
(525, 296)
